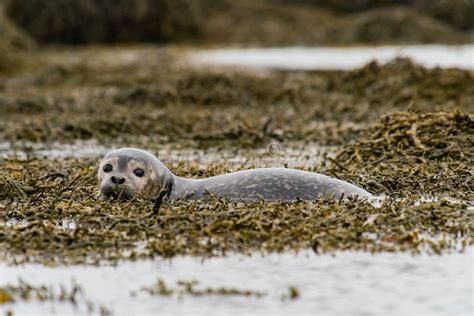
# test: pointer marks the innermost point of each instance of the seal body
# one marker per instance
(269, 184)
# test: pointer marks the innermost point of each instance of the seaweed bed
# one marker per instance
(437, 147)
(52, 214)
(84, 94)
(401, 130)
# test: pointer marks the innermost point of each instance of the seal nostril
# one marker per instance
(117, 180)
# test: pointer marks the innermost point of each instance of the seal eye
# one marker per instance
(139, 172)
(107, 168)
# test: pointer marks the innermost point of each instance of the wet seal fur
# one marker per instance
(117, 178)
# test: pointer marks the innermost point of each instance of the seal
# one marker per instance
(129, 172)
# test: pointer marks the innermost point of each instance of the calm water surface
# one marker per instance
(349, 283)
(335, 58)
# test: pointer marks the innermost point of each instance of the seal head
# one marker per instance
(129, 172)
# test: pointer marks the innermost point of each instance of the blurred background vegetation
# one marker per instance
(52, 90)
(24, 24)
(246, 22)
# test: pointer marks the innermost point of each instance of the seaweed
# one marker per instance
(190, 288)
(24, 291)
(406, 152)
(419, 155)
(159, 102)
(60, 221)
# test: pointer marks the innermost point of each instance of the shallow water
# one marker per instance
(273, 155)
(336, 58)
(348, 283)
(79, 149)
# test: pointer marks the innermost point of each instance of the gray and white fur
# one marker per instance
(269, 184)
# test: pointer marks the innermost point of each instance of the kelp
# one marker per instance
(158, 102)
(192, 288)
(23, 292)
(406, 153)
(419, 155)
(59, 219)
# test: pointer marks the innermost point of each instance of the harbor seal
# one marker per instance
(129, 172)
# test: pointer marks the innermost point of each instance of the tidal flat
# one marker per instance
(399, 130)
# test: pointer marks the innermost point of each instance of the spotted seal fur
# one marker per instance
(131, 172)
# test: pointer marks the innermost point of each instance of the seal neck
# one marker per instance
(180, 187)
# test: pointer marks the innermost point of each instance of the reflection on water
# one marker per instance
(348, 283)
